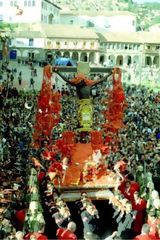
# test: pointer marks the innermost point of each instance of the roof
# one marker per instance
(63, 31)
(134, 37)
(98, 13)
(56, 31)
(28, 34)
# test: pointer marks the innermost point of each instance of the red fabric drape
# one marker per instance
(115, 104)
(96, 140)
(49, 108)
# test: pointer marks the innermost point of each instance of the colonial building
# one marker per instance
(140, 48)
(114, 21)
(40, 41)
(26, 11)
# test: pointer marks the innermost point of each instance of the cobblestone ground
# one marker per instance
(26, 76)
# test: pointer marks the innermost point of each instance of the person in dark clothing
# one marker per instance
(62, 217)
(31, 83)
(90, 221)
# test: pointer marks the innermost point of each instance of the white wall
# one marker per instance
(112, 23)
(122, 23)
(24, 42)
(30, 13)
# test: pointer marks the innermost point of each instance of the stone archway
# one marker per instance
(156, 61)
(111, 60)
(36, 54)
(58, 54)
(84, 57)
(119, 60)
(128, 60)
(49, 55)
(75, 56)
(136, 59)
(66, 54)
(25, 53)
(92, 58)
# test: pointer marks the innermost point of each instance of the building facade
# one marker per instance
(26, 11)
(41, 41)
(113, 21)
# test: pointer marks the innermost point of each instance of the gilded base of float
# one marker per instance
(85, 115)
(85, 129)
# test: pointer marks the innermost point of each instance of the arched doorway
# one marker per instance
(26, 54)
(119, 60)
(75, 56)
(36, 54)
(91, 57)
(49, 55)
(58, 54)
(84, 57)
(111, 60)
(50, 18)
(128, 60)
(66, 54)
(136, 60)
(156, 61)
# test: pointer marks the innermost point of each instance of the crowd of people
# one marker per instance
(137, 147)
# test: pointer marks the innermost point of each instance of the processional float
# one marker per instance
(49, 109)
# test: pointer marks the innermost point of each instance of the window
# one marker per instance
(1, 4)
(157, 47)
(11, 4)
(42, 17)
(31, 42)
(126, 47)
(92, 44)
(15, 3)
(33, 3)
(1, 17)
(148, 47)
(58, 44)
(65, 43)
(25, 3)
(29, 3)
(75, 43)
(84, 43)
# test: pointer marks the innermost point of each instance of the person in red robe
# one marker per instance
(145, 235)
(20, 216)
(153, 222)
(128, 188)
(67, 233)
(139, 205)
(38, 236)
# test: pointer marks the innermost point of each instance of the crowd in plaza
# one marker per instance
(137, 149)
